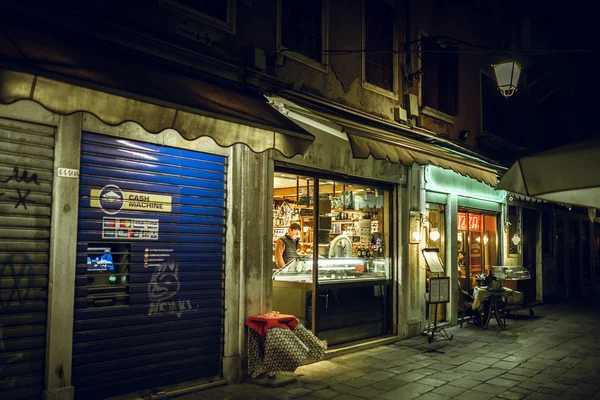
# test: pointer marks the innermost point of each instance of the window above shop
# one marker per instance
(302, 31)
(379, 59)
(440, 76)
(220, 14)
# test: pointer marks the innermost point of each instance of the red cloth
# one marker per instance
(262, 323)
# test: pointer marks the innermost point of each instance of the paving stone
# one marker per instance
(550, 391)
(473, 366)
(297, 392)
(431, 382)
(388, 384)
(397, 394)
(466, 383)
(378, 376)
(358, 382)
(346, 397)
(432, 396)
(410, 376)
(325, 394)
(505, 365)
(585, 388)
(416, 387)
(487, 374)
(473, 395)
(501, 381)
(531, 385)
(489, 388)
(449, 390)
(511, 395)
(524, 371)
(539, 396)
(519, 378)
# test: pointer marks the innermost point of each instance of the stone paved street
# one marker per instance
(554, 355)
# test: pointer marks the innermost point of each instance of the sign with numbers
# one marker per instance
(68, 173)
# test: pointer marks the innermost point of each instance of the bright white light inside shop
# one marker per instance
(434, 235)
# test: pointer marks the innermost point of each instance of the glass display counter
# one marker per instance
(507, 274)
(510, 273)
(333, 270)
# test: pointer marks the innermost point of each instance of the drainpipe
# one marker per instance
(407, 58)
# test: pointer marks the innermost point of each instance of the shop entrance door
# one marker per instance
(477, 246)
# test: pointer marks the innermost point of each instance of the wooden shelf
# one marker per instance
(342, 221)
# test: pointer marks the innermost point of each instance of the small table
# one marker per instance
(482, 293)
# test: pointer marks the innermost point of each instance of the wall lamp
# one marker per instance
(416, 220)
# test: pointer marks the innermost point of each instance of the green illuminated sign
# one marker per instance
(447, 181)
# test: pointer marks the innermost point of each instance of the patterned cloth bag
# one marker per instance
(316, 346)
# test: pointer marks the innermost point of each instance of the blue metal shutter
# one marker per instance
(156, 216)
(26, 171)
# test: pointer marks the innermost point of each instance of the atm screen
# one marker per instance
(100, 259)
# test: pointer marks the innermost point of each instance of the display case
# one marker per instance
(334, 270)
(510, 273)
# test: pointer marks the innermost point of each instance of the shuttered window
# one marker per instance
(150, 270)
(26, 165)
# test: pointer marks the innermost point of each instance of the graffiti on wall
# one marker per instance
(22, 197)
(17, 267)
(162, 289)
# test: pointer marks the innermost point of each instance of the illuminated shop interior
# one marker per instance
(349, 281)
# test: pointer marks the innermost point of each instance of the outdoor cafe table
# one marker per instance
(481, 293)
(279, 342)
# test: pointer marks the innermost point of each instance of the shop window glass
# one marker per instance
(351, 234)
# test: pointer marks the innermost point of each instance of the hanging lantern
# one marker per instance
(434, 234)
(507, 77)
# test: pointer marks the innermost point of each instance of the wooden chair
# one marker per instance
(465, 310)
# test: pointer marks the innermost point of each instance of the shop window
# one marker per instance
(547, 233)
(440, 75)
(303, 28)
(347, 225)
(217, 13)
(477, 246)
(514, 231)
(379, 44)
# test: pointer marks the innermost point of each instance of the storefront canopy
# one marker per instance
(67, 75)
(565, 174)
(383, 142)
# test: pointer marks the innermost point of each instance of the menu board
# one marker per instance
(439, 290)
(432, 258)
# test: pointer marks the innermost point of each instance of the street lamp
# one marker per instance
(507, 76)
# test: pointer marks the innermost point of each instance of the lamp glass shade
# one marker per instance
(416, 236)
(516, 239)
(507, 77)
(434, 235)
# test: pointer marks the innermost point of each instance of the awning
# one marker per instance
(386, 143)
(67, 75)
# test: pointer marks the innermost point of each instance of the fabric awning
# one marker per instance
(67, 75)
(387, 143)
(406, 151)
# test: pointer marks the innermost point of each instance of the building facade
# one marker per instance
(151, 158)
